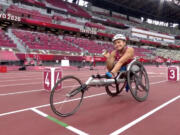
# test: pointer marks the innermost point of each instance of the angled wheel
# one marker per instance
(138, 81)
(114, 89)
(61, 102)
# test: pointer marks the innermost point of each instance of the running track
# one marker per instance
(25, 108)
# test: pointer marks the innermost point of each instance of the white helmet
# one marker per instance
(119, 36)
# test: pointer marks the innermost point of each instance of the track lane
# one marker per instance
(96, 115)
(94, 109)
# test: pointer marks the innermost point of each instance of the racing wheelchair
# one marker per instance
(66, 100)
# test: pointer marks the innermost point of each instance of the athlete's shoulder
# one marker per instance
(131, 49)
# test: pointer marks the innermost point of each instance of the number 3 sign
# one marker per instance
(51, 76)
(173, 73)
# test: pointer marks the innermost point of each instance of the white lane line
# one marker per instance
(38, 75)
(72, 129)
(31, 83)
(29, 79)
(156, 76)
(41, 106)
(13, 112)
(39, 112)
(122, 129)
(18, 84)
(153, 73)
(158, 82)
(17, 73)
(158, 67)
(3, 114)
(16, 77)
(20, 79)
(21, 92)
(29, 91)
(75, 130)
(35, 83)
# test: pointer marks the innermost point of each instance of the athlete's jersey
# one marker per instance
(117, 57)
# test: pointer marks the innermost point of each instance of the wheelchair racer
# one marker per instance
(121, 56)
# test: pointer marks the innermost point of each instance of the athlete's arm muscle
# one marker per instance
(110, 61)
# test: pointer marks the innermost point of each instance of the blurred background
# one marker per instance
(37, 33)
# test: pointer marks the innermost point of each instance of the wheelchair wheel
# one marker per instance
(61, 103)
(114, 89)
(138, 81)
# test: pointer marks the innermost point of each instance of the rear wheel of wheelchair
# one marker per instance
(138, 81)
(114, 89)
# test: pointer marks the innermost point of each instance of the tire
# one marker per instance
(62, 104)
(113, 89)
(138, 81)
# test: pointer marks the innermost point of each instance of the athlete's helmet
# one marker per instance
(119, 36)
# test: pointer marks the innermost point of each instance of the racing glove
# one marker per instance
(109, 75)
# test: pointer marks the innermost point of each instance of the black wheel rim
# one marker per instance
(114, 89)
(138, 82)
(69, 105)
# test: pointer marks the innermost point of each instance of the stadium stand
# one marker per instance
(42, 41)
(80, 31)
(90, 46)
(5, 40)
(71, 8)
(26, 13)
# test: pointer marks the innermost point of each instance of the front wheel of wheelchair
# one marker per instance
(114, 89)
(138, 81)
(61, 103)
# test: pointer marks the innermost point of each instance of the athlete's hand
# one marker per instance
(109, 75)
(105, 53)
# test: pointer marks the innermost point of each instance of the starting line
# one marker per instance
(72, 129)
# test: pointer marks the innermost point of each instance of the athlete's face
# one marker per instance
(119, 44)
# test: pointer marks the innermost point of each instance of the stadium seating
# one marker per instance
(94, 25)
(5, 40)
(34, 2)
(87, 45)
(173, 54)
(42, 41)
(26, 13)
(144, 25)
(94, 47)
(71, 8)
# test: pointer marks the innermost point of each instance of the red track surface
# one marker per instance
(99, 115)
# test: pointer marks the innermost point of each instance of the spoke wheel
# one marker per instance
(114, 89)
(61, 103)
(138, 81)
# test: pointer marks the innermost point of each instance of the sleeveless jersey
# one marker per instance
(117, 57)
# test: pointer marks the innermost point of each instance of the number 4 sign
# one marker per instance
(173, 73)
(51, 77)
(47, 79)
